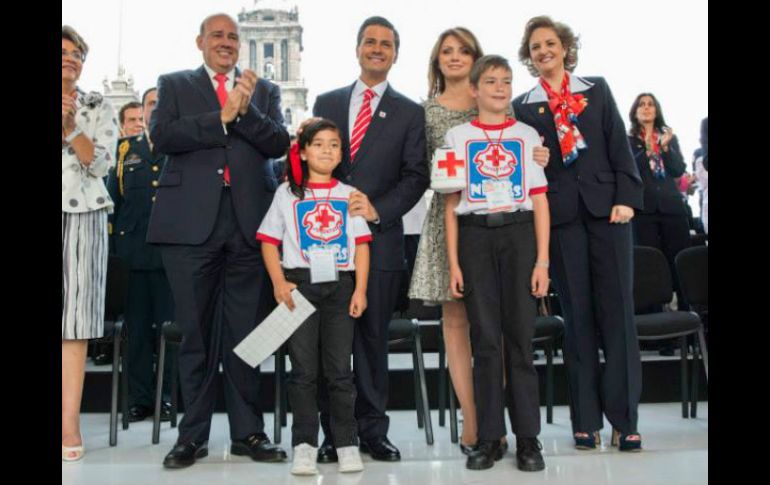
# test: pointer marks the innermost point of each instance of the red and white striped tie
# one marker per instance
(362, 123)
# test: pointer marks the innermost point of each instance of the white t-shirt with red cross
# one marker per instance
(497, 153)
(320, 219)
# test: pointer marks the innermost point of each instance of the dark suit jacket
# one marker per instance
(605, 173)
(390, 166)
(660, 195)
(186, 126)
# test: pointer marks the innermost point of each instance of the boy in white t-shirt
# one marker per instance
(497, 231)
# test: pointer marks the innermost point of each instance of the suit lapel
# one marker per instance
(343, 105)
(541, 114)
(203, 83)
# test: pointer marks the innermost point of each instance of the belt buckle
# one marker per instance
(495, 219)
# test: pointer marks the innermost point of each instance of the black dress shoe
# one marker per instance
(138, 413)
(380, 449)
(165, 411)
(183, 455)
(485, 455)
(528, 456)
(327, 453)
(259, 448)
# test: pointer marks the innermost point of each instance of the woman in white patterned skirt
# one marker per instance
(89, 136)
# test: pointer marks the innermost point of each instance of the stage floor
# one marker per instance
(676, 452)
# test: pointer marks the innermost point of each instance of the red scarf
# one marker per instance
(653, 153)
(565, 108)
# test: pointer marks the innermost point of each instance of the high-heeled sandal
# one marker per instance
(587, 442)
(623, 442)
(66, 451)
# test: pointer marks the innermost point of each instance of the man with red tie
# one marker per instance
(384, 158)
(219, 126)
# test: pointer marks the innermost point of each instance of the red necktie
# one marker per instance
(221, 79)
(362, 123)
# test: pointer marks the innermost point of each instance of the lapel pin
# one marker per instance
(383, 114)
(541, 110)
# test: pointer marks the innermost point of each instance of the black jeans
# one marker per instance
(328, 331)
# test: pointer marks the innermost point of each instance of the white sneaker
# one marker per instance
(303, 462)
(349, 459)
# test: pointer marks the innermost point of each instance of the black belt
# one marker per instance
(496, 219)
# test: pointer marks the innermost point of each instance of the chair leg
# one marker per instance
(452, 411)
(416, 382)
(158, 389)
(704, 351)
(442, 388)
(115, 385)
(284, 389)
(549, 381)
(124, 363)
(174, 388)
(278, 400)
(695, 379)
(684, 387)
(423, 389)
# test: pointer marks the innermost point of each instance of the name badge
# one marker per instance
(499, 194)
(323, 264)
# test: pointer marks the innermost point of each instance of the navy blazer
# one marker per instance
(604, 174)
(390, 168)
(661, 195)
(186, 126)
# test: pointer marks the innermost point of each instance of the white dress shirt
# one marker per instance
(357, 99)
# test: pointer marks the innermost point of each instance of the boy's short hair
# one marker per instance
(483, 64)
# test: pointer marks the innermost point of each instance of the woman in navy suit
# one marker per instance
(663, 221)
(593, 189)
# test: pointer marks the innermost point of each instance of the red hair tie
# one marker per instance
(296, 167)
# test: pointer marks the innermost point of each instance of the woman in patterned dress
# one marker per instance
(450, 104)
(89, 136)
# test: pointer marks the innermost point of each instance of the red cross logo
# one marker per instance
(451, 164)
(324, 218)
(495, 157)
(495, 161)
(323, 223)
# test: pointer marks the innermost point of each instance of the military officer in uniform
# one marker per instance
(132, 185)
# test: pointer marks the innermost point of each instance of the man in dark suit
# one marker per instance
(218, 126)
(383, 138)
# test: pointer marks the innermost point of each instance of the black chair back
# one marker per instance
(652, 278)
(692, 265)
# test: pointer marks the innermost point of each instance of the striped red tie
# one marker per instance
(362, 123)
(221, 79)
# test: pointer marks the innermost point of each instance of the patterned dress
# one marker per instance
(85, 204)
(430, 279)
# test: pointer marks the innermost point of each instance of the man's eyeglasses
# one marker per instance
(77, 55)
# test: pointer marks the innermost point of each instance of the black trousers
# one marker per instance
(149, 302)
(497, 266)
(592, 268)
(216, 288)
(327, 336)
(670, 234)
(370, 359)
